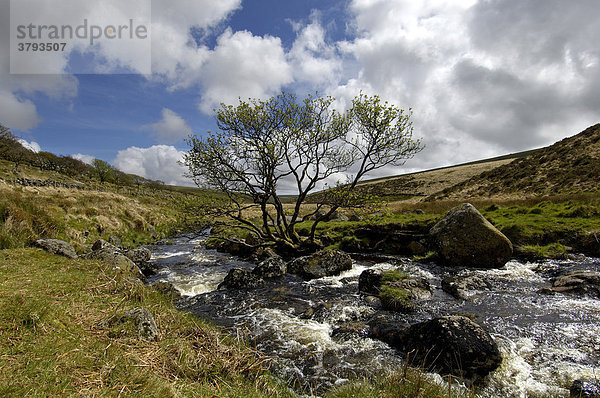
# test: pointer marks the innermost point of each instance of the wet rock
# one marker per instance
(585, 388)
(582, 283)
(320, 264)
(417, 248)
(237, 247)
(401, 295)
(373, 301)
(465, 238)
(450, 345)
(462, 287)
(138, 319)
(369, 281)
(349, 330)
(238, 278)
(56, 246)
(273, 267)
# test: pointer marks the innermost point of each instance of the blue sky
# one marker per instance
(484, 77)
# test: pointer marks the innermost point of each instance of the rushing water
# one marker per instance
(316, 330)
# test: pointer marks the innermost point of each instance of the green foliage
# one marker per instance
(552, 251)
(259, 143)
(392, 295)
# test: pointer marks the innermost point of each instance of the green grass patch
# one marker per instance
(54, 338)
(551, 251)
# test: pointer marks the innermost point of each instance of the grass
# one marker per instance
(392, 295)
(54, 338)
(27, 214)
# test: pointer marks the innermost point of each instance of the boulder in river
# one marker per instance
(583, 283)
(585, 388)
(369, 281)
(465, 238)
(448, 345)
(320, 264)
(462, 287)
(401, 294)
(272, 267)
(56, 246)
(239, 278)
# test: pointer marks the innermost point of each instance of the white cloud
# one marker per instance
(483, 77)
(32, 146)
(17, 114)
(88, 159)
(314, 61)
(170, 129)
(158, 162)
(243, 65)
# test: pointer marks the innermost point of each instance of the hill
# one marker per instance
(570, 166)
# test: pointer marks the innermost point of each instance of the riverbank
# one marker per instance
(57, 339)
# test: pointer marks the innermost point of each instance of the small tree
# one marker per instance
(103, 171)
(261, 144)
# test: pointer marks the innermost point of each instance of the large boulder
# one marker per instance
(585, 388)
(56, 246)
(448, 345)
(272, 267)
(463, 287)
(239, 278)
(465, 238)
(320, 264)
(581, 283)
(117, 260)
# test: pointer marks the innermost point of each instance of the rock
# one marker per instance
(113, 240)
(273, 267)
(356, 217)
(320, 264)
(139, 255)
(167, 289)
(450, 345)
(400, 295)
(338, 216)
(369, 281)
(139, 319)
(101, 244)
(118, 260)
(348, 330)
(462, 287)
(585, 388)
(465, 238)
(583, 283)
(417, 248)
(56, 246)
(238, 278)
(237, 247)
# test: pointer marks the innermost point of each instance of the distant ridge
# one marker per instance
(569, 166)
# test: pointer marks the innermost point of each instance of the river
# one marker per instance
(315, 329)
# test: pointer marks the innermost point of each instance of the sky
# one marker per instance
(483, 77)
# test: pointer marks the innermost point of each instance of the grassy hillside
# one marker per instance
(570, 166)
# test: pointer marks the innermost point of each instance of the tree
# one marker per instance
(264, 143)
(103, 171)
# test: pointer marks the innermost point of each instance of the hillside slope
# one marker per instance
(566, 167)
